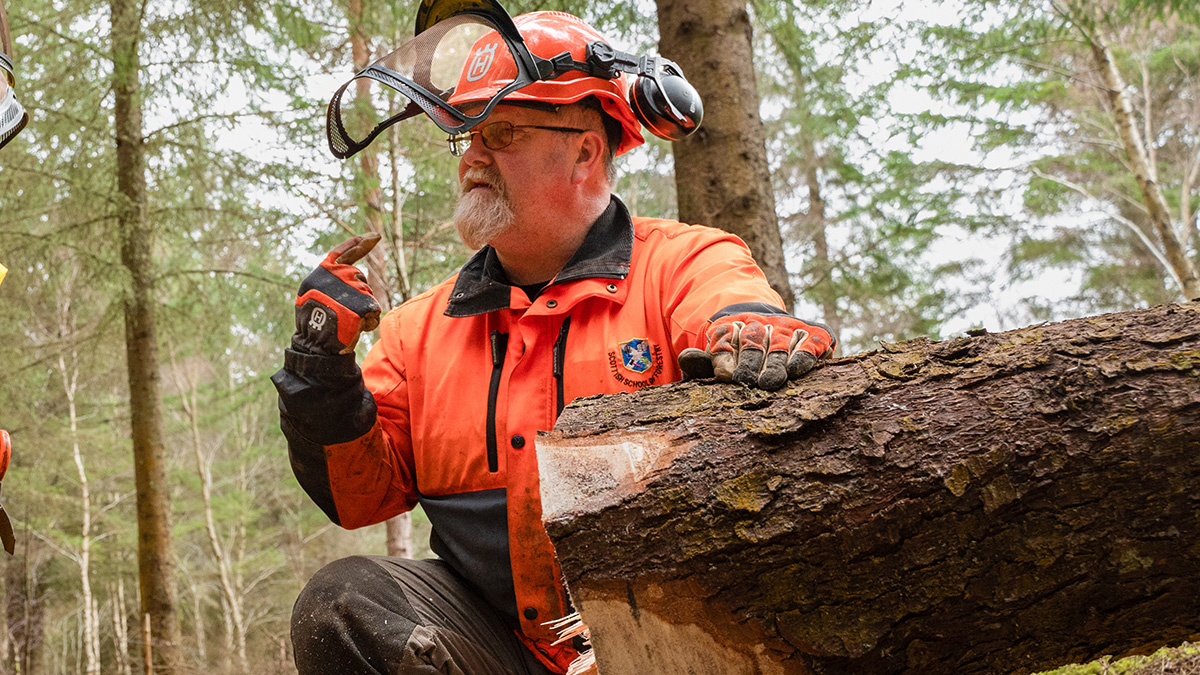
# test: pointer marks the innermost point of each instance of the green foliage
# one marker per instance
(1024, 73)
(863, 216)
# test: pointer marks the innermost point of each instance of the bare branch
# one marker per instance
(1147, 125)
(240, 273)
(49, 542)
(201, 118)
(1132, 226)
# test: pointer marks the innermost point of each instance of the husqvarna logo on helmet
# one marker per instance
(482, 62)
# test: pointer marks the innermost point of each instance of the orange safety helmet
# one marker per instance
(547, 34)
(472, 51)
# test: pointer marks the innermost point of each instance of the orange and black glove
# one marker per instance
(335, 304)
(757, 345)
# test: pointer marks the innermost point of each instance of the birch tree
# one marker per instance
(1097, 100)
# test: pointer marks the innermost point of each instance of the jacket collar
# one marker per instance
(606, 251)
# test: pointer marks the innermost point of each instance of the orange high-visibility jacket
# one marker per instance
(465, 375)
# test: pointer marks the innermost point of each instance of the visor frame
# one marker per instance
(448, 118)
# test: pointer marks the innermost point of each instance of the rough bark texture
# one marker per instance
(1001, 503)
(721, 173)
(156, 566)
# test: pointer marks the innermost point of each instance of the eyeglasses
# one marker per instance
(496, 136)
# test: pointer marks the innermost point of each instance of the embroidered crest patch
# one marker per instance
(635, 355)
(636, 364)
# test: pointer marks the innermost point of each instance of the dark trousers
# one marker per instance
(374, 614)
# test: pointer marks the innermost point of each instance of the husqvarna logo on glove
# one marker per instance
(482, 62)
(317, 320)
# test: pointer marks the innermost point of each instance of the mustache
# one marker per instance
(485, 176)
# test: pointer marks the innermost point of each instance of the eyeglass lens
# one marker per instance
(496, 136)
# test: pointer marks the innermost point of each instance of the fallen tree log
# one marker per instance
(996, 503)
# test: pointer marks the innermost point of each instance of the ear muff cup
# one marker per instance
(649, 102)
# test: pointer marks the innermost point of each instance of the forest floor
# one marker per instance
(1182, 660)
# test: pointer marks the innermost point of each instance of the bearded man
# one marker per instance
(565, 287)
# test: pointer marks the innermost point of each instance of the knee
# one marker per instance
(331, 599)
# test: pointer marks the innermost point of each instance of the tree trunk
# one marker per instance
(817, 224)
(120, 616)
(198, 626)
(399, 528)
(67, 335)
(91, 619)
(190, 398)
(26, 610)
(395, 152)
(156, 565)
(992, 504)
(721, 172)
(6, 44)
(1174, 249)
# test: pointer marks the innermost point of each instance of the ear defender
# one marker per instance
(661, 97)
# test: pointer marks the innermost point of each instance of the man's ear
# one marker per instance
(590, 158)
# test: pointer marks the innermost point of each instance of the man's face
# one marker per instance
(503, 191)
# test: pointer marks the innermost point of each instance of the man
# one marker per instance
(568, 297)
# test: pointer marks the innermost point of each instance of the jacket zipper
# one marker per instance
(560, 358)
(499, 346)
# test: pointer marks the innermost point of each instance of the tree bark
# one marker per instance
(721, 173)
(156, 566)
(6, 44)
(1001, 503)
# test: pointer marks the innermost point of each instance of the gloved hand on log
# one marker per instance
(757, 349)
(335, 304)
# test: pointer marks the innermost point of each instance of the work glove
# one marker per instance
(759, 350)
(335, 304)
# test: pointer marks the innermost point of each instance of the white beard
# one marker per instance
(482, 215)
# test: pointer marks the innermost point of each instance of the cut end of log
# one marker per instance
(655, 629)
(577, 475)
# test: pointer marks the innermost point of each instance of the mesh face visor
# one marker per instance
(425, 71)
(12, 115)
